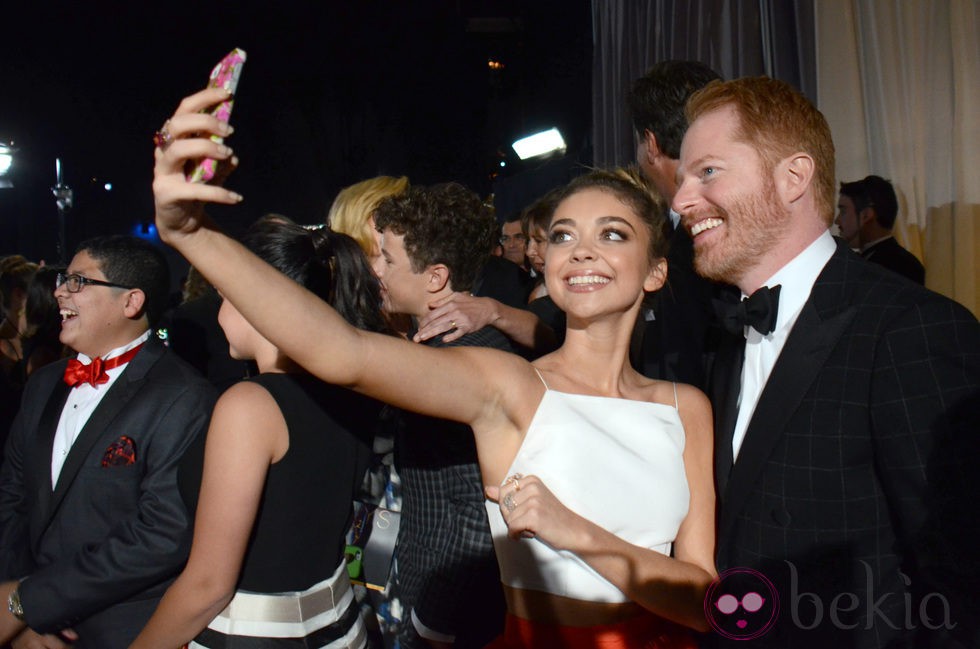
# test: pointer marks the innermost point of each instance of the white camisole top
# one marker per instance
(616, 462)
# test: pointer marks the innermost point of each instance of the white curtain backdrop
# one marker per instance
(898, 82)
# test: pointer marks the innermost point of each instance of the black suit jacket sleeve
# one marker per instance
(149, 539)
(15, 559)
(925, 408)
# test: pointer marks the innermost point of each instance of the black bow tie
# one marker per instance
(757, 311)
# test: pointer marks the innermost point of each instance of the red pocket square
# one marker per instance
(121, 452)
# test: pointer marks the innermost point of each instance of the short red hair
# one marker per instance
(777, 121)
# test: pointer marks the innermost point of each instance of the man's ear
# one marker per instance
(794, 175)
(866, 216)
(135, 301)
(437, 277)
(651, 150)
(657, 276)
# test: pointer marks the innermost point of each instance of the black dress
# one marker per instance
(298, 539)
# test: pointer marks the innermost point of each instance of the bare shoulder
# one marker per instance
(245, 395)
(695, 412)
(246, 407)
(692, 404)
(501, 368)
(689, 396)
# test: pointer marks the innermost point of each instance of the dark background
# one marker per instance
(332, 93)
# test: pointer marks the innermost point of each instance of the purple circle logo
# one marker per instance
(741, 604)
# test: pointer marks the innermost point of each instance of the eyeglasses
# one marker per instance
(75, 282)
(519, 238)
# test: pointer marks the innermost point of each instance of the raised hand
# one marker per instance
(184, 139)
(460, 312)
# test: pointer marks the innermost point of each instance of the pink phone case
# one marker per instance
(224, 75)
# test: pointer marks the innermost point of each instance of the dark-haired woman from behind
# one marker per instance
(284, 456)
(40, 322)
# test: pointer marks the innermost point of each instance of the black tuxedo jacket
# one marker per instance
(678, 343)
(100, 548)
(890, 254)
(857, 474)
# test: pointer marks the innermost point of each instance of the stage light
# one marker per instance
(6, 164)
(107, 187)
(540, 144)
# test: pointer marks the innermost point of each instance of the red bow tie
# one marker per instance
(95, 373)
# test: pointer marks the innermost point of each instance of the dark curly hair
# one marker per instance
(656, 101)
(442, 224)
(329, 264)
(129, 261)
(629, 187)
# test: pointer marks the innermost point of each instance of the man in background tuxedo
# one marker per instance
(867, 212)
(670, 345)
(847, 398)
(92, 527)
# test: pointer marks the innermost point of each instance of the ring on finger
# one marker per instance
(514, 479)
(509, 503)
(163, 138)
(452, 324)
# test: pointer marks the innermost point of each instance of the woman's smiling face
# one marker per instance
(598, 260)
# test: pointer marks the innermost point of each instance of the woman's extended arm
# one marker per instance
(436, 382)
(673, 588)
(247, 434)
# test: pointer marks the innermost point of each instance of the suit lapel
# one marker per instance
(43, 442)
(821, 323)
(118, 397)
(724, 397)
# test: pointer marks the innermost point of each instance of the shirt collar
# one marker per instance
(798, 276)
(118, 350)
(876, 242)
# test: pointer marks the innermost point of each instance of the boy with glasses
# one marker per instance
(92, 525)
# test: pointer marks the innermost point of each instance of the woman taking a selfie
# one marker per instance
(564, 443)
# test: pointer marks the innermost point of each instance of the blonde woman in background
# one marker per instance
(352, 212)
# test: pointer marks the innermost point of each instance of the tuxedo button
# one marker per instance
(781, 517)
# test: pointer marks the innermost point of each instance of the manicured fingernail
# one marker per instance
(226, 129)
(234, 160)
(225, 150)
(238, 198)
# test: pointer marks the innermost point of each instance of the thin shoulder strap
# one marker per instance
(541, 377)
(675, 395)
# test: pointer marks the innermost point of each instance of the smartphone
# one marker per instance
(224, 75)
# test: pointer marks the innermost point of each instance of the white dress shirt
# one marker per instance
(796, 279)
(82, 401)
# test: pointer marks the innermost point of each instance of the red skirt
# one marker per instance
(643, 632)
